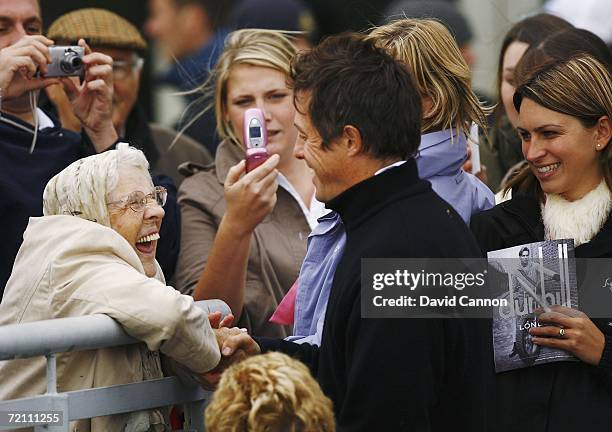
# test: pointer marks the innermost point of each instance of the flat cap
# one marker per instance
(99, 27)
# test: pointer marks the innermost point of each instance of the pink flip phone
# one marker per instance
(255, 138)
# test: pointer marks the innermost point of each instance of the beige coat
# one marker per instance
(70, 267)
(278, 244)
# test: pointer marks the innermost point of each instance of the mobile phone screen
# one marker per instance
(255, 132)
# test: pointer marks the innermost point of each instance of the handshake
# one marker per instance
(234, 343)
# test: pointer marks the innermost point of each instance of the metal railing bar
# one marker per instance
(41, 338)
(129, 397)
(117, 399)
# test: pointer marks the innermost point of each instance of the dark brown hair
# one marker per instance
(532, 31)
(580, 87)
(563, 44)
(352, 82)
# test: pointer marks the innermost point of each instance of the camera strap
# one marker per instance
(35, 116)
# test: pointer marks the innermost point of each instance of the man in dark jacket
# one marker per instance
(358, 117)
(27, 161)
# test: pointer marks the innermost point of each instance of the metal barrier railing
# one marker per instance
(47, 338)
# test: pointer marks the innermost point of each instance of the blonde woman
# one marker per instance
(269, 393)
(449, 108)
(243, 234)
(565, 112)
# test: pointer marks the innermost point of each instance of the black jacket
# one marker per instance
(398, 374)
(23, 177)
(559, 396)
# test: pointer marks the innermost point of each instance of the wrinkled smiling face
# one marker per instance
(139, 228)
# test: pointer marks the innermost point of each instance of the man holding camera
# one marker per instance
(34, 145)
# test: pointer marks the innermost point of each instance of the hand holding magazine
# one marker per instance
(532, 278)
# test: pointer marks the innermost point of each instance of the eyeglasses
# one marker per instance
(123, 68)
(138, 200)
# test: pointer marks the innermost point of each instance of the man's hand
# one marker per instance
(240, 342)
(235, 345)
(19, 64)
(92, 100)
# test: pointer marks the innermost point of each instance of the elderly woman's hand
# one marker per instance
(250, 197)
(580, 336)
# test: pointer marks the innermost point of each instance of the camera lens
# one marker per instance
(71, 62)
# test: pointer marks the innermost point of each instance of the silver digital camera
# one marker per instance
(66, 61)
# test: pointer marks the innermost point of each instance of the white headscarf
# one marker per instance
(81, 189)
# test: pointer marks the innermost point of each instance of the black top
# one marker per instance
(560, 396)
(398, 374)
(23, 177)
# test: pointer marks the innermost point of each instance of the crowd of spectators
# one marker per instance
(371, 137)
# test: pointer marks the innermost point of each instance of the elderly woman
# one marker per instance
(243, 235)
(564, 120)
(93, 252)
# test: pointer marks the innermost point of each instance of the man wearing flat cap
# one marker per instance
(34, 146)
(110, 34)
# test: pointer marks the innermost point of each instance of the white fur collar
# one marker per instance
(580, 219)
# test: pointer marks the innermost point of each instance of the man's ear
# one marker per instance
(353, 139)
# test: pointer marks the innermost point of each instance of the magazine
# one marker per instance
(529, 277)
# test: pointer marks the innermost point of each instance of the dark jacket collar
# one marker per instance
(526, 209)
(600, 245)
(361, 201)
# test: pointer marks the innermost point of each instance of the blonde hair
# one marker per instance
(270, 392)
(580, 87)
(258, 47)
(439, 70)
(83, 187)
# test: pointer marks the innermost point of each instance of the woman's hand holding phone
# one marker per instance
(250, 196)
